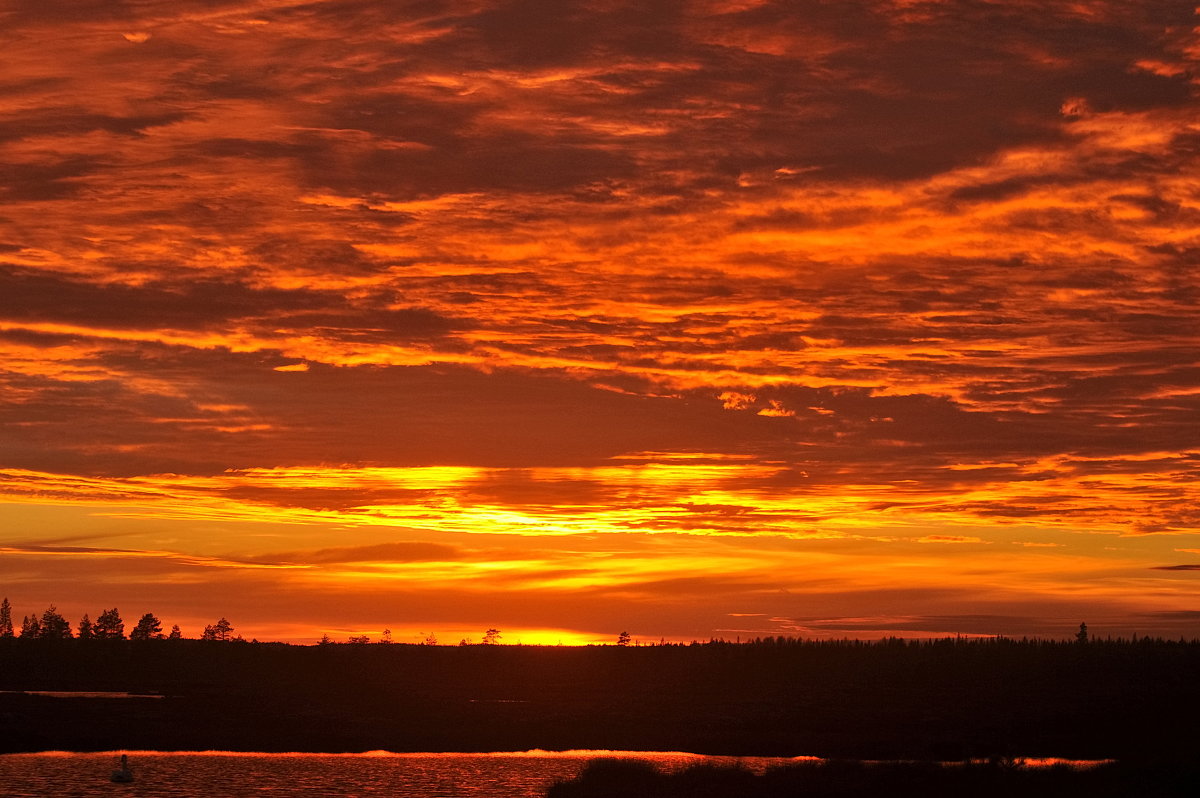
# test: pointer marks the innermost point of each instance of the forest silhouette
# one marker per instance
(947, 699)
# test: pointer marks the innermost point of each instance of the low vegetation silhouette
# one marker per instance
(617, 778)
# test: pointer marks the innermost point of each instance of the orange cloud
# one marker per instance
(758, 273)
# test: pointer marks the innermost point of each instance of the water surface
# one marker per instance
(239, 775)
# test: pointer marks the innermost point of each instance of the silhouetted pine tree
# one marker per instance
(30, 628)
(221, 630)
(53, 625)
(148, 628)
(109, 626)
(6, 624)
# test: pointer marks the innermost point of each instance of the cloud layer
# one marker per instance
(890, 271)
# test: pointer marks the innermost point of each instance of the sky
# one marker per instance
(684, 318)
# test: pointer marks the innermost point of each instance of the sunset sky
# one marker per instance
(693, 318)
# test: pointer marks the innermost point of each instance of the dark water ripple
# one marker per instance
(229, 775)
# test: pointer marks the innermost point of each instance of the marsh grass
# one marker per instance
(613, 778)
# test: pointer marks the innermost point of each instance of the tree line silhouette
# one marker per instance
(947, 698)
(107, 626)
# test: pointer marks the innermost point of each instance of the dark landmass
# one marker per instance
(838, 779)
(945, 700)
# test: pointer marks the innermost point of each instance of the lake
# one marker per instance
(235, 775)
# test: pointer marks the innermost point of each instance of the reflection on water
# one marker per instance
(236, 775)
